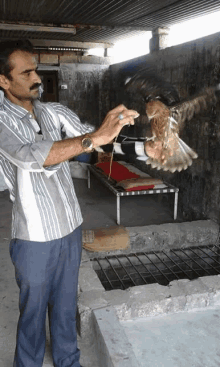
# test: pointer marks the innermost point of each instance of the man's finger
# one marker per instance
(131, 113)
(128, 115)
(118, 109)
(127, 121)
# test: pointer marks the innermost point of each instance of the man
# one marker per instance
(46, 220)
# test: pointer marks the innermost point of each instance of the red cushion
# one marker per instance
(118, 171)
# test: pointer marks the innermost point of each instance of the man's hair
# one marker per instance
(6, 49)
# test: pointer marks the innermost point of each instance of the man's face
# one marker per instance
(24, 83)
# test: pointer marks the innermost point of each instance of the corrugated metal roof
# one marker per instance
(111, 20)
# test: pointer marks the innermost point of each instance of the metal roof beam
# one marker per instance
(37, 28)
(74, 44)
(113, 27)
(66, 28)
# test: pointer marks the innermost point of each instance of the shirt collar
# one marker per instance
(19, 111)
(1, 97)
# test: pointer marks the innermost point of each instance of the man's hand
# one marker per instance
(112, 125)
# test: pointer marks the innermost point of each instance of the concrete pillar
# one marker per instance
(159, 39)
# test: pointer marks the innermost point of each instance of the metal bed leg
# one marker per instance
(118, 210)
(175, 205)
(88, 172)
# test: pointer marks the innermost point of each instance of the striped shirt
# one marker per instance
(45, 206)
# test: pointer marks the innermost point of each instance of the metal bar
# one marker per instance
(176, 264)
(186, 263)
(211, 256)
(89, 178)
(175, 205)
(146, 268)
(136, 269)
(104, 273)
(196, 262)
(166, 265)
(157, 267)
(125, 269)
(215, 252)
(203, 259)
(120, 280)
(136, 275)
(118, 209)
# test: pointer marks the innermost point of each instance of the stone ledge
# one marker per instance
(113, 346)
(139, 302)
(152, 299)
(164, 237)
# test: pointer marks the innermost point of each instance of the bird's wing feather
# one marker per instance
(148, 84)
(186, 110)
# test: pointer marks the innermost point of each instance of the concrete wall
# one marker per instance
(85, 80)
(84, 93)
(190, 67)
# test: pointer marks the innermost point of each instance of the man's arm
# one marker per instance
(110, 128)
(64, 149)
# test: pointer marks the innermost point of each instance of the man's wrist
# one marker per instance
(87, 143)
(96, 140)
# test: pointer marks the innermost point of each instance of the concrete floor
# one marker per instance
(178, 340)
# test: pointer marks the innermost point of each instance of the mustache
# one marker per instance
(34, 86)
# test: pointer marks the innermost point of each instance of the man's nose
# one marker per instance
(36, 78)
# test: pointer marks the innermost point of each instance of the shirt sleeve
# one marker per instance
(26, 156)
(71, 126)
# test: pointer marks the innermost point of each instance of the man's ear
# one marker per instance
(4, 82)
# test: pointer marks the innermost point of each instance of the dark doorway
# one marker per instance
(50, 85)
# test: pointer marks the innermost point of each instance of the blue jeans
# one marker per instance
(47, 275)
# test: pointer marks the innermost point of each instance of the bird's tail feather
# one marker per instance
(177, 159)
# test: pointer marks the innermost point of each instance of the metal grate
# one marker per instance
(124, 271)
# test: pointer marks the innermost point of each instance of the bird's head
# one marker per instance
(154, 108)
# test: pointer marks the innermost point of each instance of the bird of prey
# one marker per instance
(167, 115)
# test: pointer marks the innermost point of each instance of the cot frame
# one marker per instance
(120, 192)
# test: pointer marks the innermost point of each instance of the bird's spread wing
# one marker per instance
(148, 84)
(185, 110)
